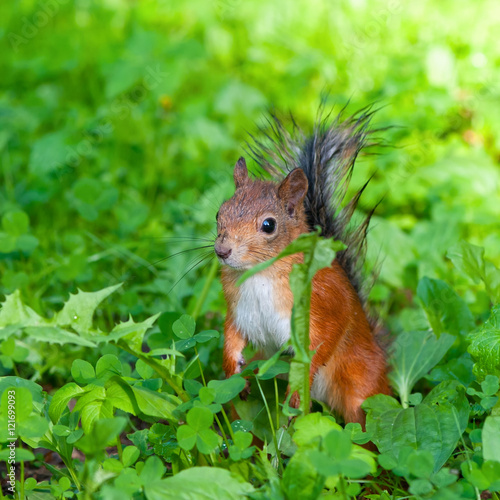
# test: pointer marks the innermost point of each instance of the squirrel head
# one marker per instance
(261, 218)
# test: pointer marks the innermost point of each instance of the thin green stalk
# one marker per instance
(276, 395)
(275, 441)
(119, 448)
(158, 368)
(200, 366)
(224, 437)
(21, 491)
(212, 273)
(342, 488)
(226, 419)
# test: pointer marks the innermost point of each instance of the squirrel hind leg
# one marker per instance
(348, 384)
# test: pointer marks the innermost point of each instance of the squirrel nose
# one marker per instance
(222, 251)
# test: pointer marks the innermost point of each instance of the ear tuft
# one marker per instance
(293, 190)
(240, 173)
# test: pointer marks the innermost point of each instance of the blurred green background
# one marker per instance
(121, 121)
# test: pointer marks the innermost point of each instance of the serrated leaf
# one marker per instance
(131, 332)
(55, 335)
(79, 309)
(14, 312)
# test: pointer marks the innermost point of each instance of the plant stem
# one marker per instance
(200, 366)
(119, 449)
(158, 368)
(275, 441)
(226, 419)
(21, 491)
(212, 273)
(276, 395)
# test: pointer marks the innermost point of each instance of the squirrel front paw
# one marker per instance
(246, 391)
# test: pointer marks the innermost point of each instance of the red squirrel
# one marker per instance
(310, 179)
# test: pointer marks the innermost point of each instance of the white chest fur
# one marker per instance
(256, 315)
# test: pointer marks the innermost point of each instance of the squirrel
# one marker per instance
(310, 176)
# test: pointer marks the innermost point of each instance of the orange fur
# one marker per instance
(347, 360)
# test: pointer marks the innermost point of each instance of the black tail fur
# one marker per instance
(327, 158)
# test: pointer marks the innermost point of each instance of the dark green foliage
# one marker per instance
(119, 126)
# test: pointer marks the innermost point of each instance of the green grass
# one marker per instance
(120, 125)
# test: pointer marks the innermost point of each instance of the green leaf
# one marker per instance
(121, 396)
(93, 411)
(435, 425)
(207, 395)
(485, 345)
(61, 399)
(242, 439)
(206, 441)
(79, 309)
(48, 153)
(130, 455)
(184, 327)
(311, 429)
(186, 437)
(206, 335)
(227, 389)
(107, 366)
(491, 438)
(156, 404)
(55, 335)
(103, 434)
(415, 354)
(199, 482)
(14, 312)
(421, 464)
(143, 369)
(200, 418)
(445, 310)
(301, 479)
(132, 332)
(15, 223)
(337, 444)
(152, 471)
(469, 259)
(82, 371)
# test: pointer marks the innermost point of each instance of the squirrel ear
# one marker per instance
(293, 189)
(240, 173)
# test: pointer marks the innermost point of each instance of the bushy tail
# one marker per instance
(327, 157)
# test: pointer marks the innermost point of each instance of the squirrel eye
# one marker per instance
(269, 225)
